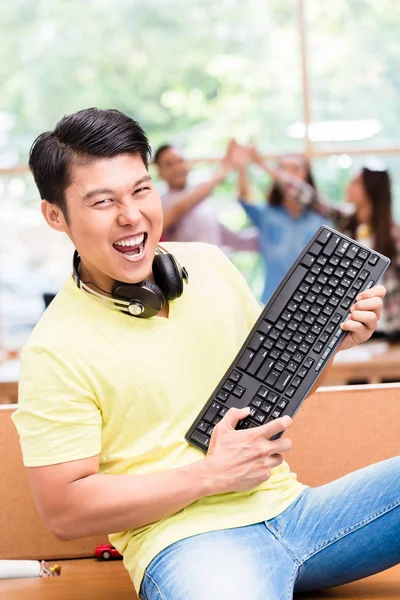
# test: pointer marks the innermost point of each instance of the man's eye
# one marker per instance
(142, 189)
(105, 201)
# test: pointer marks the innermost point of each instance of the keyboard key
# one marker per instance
(265, 369)
(272, 397)
(302, 372)
(285, 357)
(202, 426)
(277, 413)
(373, 260)
(229, 385)
(358, 284)
(290, 392)
(257, 362)
(337, 319)
(324, 236)
(292, 367)
(223, 396)
(308, 260)
(199, 437)
(296, 382)
(315, 249)
(282, 404)
(246, 359)
(265, 407)
(327, 310)
(322, 260)
(363, 254)
(334, 261)
(352, 252)
(310, 279)
(274, 334)
(346, 303)
(262, 391)
(304, 348)
(357, 264)
(260, 417)
(303, 329)
(297, 338)
(343, 247)
(328, 270)
(212, 412)
(345, 263)
(318, 347)
(272, 378)
(308, 363)
(331, 245)
(275, 354)
(364, 275)
(239, 391)
(279, 366)
(322, 320)
(286, 315)
(340, 272)
(316, 270)
(309, 319)
(352, 273)
(256, 341)
(298, 297)
(304, 288)
(265, 327)
(283, 380)
(256, 402)
(298, 357)
(235, 376)
(268, 344)
(280, 345)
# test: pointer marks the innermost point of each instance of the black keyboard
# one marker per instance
(296, 334)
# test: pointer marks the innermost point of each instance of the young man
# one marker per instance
(106, 399)
(188, 214)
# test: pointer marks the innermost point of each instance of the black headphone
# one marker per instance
(144, 299)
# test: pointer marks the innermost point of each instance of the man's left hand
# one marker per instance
(363, 318)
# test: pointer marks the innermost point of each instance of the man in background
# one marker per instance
(188, 213)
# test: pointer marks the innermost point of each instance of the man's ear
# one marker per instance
(54, 216)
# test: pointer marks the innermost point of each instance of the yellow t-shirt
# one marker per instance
(96, 381)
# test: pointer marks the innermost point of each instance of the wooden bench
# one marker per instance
(336, 431)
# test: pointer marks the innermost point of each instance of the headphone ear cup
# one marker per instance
(168, 275)
(145, 294)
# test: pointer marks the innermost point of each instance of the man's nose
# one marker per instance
(129, 214)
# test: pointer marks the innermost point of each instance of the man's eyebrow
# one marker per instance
(97, 191)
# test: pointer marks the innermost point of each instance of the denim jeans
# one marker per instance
(330, 535)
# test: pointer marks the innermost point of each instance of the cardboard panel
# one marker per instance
(22, 533)
(339, 430)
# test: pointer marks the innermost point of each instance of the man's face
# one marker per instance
(173, 168)
(115, 219)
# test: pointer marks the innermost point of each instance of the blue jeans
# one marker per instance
(330, 535)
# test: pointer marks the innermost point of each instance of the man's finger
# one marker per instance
(270, 429)
(377, 290)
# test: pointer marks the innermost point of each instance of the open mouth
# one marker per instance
(132, 248)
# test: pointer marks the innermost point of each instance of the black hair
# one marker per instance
(159, 152)
(275, 194)
(84, 136)
(377, 186)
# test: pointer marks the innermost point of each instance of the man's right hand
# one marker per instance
(239, 460)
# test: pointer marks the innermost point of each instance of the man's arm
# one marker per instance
(192, 198)
(200, 192)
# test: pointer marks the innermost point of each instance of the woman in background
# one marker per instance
(284, 225)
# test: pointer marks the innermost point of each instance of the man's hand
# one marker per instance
(238, 461)
(363, 318)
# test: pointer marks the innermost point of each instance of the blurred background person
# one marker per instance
(284, 225)
(367, 216)
(188, 213)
